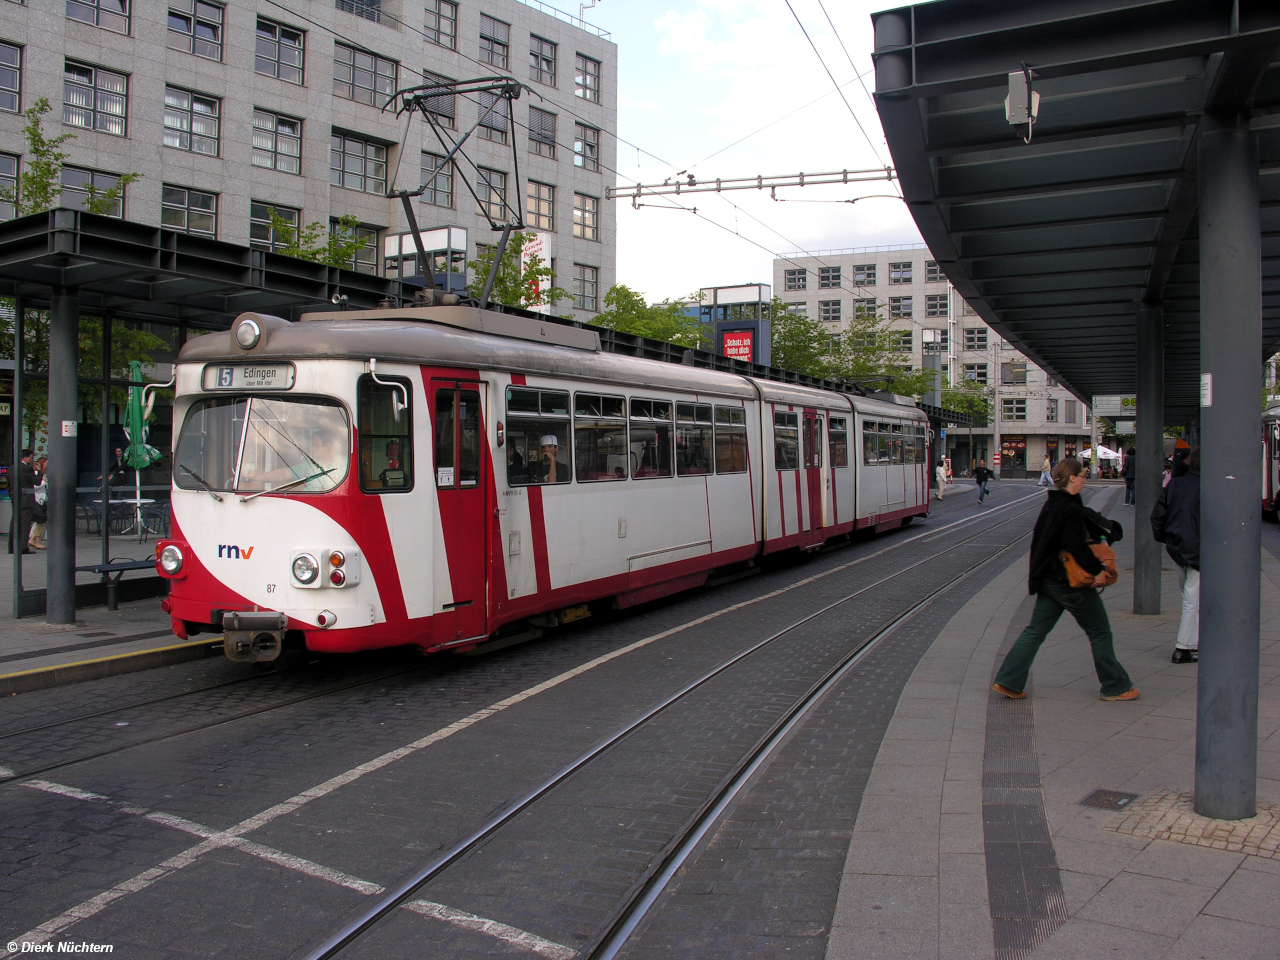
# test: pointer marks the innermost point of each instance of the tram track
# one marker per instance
(655, 878)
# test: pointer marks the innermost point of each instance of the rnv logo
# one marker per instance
(232, 552)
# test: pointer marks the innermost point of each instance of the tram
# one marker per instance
(1270, 461)
(440, 475)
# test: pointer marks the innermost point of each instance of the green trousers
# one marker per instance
(1086, 606)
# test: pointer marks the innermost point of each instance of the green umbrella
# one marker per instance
(139, 454)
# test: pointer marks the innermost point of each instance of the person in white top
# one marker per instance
(1046, 478)
(941, 474)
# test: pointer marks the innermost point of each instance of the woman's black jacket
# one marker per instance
(1060, 526)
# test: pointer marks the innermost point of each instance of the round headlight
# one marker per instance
(171, 559)
(337, 559)
(305, 568)
(248, 334)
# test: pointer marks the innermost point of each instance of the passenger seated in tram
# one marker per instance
(549, 468)
(517, 470)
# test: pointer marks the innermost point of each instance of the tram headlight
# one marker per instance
(248, 334)
(305, 568)
(171, 560)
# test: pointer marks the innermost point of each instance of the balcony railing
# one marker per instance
(369, 9)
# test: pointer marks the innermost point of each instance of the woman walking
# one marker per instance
(1063, 524)
(940, 475)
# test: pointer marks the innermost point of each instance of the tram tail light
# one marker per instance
(319, 568)
(337, 578)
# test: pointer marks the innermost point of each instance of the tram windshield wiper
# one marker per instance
(290, 485)
(200, 480)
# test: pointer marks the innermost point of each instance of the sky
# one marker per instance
(694, 77)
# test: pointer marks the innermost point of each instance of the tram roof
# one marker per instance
(1057, 242)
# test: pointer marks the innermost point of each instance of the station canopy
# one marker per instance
(1057, 242)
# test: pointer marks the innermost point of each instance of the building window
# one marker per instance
(586, 287)
(8, 183)
(1072, 411)
(586, 79)
(968, 311)
(362, 76)
(586, 147)
(108, 14)
(938, 339)
(542, 133)
(900, 308)
(977, 372)
(542, 60)
(277, 142)
(365, 259)
(1013, 374)
(540, 206)
(441, 105)
(369, 9)
(829, 311)
(935, 305)
(865, 307)
(491, 189)
(495, 41)
(900, 272)
(1051, 411)
(78, 185)
(261, 233)
(864, 275)
(1013, 408)
(586, 217)
(828, 278)
(195, 26)
(357, 164)
(901, 341)
(438, 179)
(442, 23)
(190, 121)
(278, 51)
(190, 211)
(10, 77)
(799, 309)
(975, 338)
(94, 98)
(1050, 381)
(796, 279)
(493, 116)
(933, 272)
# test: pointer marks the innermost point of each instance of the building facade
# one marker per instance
(1033, 414)
(230, 109)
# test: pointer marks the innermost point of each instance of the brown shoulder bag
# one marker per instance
(1078, 577)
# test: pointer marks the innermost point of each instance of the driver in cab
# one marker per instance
(320, 469)
(549, 468)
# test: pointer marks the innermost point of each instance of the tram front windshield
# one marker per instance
(250, 444)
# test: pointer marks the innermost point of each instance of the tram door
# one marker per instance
(458, 433)
(812, 467)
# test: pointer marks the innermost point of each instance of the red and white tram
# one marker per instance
(430, 475)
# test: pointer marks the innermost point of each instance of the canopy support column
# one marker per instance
(1230, 535)
(1148, 554)
(64, 335)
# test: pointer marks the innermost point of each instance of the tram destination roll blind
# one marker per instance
(248, 376)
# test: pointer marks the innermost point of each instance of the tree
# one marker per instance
(341, 243)
(515, 287)
(39, 186)
(969, 397)
(627, 312)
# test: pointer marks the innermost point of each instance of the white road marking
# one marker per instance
(491, 928)
(224, 839)
(6, 772)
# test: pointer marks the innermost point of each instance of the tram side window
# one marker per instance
(537, 436)
(870, 443)
(920, 443)
(839, 437)
(386, 444)
(897, 443)
(693, 439)
(786, 441)
(600, 438)
(731, 440)
(886, 444)
(650, 438)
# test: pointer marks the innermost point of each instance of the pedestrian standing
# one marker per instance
(1175, 522)
(940, 474)
(1129, 471)
(1046, 479)
(40, 511)
(1064, 525)
(980, 477)
(22, 482)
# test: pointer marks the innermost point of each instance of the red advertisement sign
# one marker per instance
(738, 345)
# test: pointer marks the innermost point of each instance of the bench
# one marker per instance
(113, 571)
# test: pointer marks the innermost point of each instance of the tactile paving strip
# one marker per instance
(1168, 815)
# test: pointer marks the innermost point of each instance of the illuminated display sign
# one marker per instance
(739, 345)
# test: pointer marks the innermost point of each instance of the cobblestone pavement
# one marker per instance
(181, 845)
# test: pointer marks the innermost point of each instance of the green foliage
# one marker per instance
(40, 183)
(969, 397)
(627, 312)
(316, 242)
(514, 287)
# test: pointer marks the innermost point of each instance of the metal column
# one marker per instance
(1148, 554)
(64, 333)
(1230, 535)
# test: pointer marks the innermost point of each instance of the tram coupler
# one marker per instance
(253, 636)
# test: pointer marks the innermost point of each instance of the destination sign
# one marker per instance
(248, 376)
